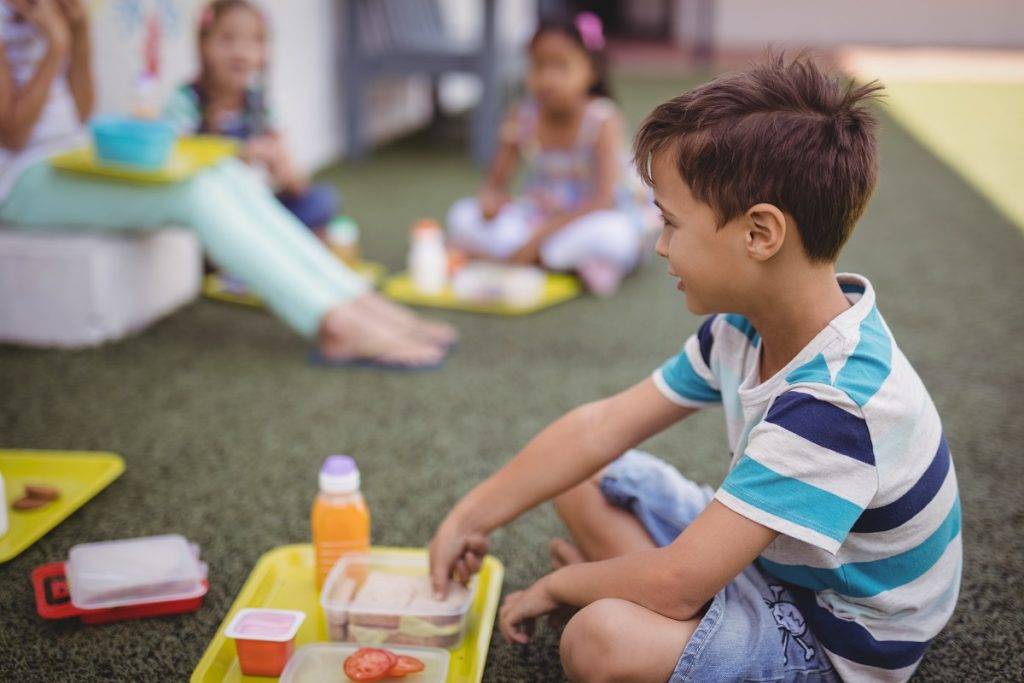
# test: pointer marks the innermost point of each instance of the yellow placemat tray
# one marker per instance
(79, 475)
(216, 287)
(191, 154)
(283, 579)
(558, 289)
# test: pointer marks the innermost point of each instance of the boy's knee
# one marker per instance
(591, 647)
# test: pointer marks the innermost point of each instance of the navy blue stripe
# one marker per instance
(706, 340)
(852, 641)
(851, 288)
(910, 503)
(823, 423)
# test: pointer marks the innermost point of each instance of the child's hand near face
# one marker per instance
(48, 16)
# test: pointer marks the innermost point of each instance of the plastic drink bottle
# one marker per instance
(428, 259)
(340, 518)
(343, 239)
(146, 98)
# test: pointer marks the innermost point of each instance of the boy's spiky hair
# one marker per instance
(782, 132)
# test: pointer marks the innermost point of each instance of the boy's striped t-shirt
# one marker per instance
(842, 452)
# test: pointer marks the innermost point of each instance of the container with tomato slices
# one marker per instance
(343, 662)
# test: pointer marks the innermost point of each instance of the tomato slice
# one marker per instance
(406, 665)
(369, 664)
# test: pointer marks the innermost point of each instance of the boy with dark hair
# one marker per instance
(832, 549)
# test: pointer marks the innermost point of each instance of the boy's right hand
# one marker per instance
(455, 552)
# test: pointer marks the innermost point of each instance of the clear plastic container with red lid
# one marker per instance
(126, 579)
(134, 571)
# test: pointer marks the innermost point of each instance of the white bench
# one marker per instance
(76, 289)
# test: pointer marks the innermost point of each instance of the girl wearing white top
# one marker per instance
(46, 93)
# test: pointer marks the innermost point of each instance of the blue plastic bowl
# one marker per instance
(133, 142)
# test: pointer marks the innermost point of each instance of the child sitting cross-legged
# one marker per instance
(578, 211)
(832, 550)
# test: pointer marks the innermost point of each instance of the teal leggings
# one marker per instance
(243, 228)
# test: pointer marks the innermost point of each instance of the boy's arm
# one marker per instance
(675, 581)
(567, 452)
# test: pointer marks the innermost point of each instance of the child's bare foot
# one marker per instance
(564, 553)
(348, 333)
(600, 277)
(403, 318)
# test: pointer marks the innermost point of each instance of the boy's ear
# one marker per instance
(765, 231)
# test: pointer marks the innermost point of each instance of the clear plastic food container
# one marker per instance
(264, 639)
(134, 571)
(321, 662)
(386, 598)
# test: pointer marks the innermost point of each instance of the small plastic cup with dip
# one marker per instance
(264, 639)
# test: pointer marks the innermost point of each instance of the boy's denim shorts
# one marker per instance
(752, 630)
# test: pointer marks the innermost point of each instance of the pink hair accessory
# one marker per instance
(591, 31)
(206, 18)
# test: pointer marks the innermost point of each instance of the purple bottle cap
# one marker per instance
(339, 465)
(339, 474)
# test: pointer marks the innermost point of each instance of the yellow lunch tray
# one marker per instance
(283, 579)
(79, 475)
(191, 155)
(217, 288)
(559, 288)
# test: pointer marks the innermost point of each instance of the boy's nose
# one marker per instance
(661, 247)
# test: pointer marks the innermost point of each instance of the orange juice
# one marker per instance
(340, 518)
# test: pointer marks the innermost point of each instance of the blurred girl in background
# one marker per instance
(578, 210)
(229, 98)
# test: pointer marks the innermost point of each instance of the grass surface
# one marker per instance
(223, 424)
(976, 128)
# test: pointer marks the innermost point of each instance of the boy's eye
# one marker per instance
(666, 222)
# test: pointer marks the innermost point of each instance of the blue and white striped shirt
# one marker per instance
(842, 453)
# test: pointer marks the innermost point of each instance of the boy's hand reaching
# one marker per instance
(520, 610)
(455, 552)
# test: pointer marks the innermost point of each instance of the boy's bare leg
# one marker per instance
(617, 640)
(599, 529)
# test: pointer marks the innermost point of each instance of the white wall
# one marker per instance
(305, 81)
(824, 23)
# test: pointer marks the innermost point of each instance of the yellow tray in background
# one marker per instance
(215, 287)
(79, 475)
(559, 288)
(283, 579)
(191, 155)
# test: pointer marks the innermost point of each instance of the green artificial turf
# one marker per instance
(977, 128)
(223, 424)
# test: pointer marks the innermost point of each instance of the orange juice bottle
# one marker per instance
(340, 518)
